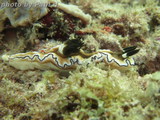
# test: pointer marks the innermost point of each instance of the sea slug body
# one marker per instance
(54, 59)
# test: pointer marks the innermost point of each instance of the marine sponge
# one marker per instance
(22, 16)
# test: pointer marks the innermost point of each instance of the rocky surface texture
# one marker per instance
(97, 91)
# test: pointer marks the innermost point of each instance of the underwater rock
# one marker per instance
(97, 91)
(75, 11)
(22, 16)
(30, 11)
(150, 66)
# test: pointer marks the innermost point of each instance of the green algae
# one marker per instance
(156, 76)
(86, 93)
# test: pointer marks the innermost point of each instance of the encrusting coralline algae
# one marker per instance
(94, 91)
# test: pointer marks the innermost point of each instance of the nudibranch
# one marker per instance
(68, 56)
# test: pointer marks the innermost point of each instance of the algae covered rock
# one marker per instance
(96, 91)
